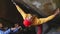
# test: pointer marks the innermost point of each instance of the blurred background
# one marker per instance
(42, 8)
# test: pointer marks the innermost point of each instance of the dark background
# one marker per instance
(10, 15)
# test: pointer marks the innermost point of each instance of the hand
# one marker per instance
(13, 28)
(57, 11)
(19, 27)
(13, 2)
(16, 27)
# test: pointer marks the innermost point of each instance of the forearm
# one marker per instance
(39, 21)
(7, 31)
(49, 18)
(44, 20)
(16, 30)
(21, 11)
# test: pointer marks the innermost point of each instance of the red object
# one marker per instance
(39, 29)
(26, 23)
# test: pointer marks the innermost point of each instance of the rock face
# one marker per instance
(44, 7)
